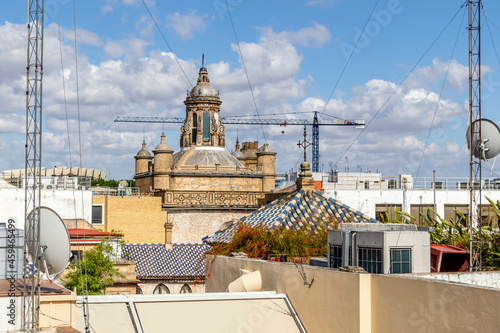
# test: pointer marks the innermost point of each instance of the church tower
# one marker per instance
(202, 126)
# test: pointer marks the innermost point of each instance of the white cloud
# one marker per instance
(317, 36)
(131, 82)
(186, 25)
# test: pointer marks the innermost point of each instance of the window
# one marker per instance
(186, 289)
(96, 214)
(206, 126)
(336, 256)
(370, 259)
(161, 289)
(401, 261)
(138, 290)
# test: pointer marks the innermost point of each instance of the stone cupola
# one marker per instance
(202, 126)
(143, 160)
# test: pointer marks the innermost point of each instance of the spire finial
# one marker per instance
(304, 144)
(143, 136)
(202, 59)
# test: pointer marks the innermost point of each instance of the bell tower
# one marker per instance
(202, 125)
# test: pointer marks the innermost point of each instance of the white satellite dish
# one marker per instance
(489, 145)
(54, 249)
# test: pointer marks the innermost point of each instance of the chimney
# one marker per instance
(168, 234)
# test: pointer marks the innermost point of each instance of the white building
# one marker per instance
(373, 194)
(68, 202)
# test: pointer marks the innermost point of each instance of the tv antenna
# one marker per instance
(482, 136)
(32, 162)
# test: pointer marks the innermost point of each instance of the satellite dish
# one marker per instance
(54, 247)
(489, 145)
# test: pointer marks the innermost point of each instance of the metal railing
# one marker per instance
(398, 183)
(116, 191)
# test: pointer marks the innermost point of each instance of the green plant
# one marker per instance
(95, 271)
(260, 241)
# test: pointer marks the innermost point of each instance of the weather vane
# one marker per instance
(304, 144)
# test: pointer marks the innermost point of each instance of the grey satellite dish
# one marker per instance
(54, 249)
(489, 145)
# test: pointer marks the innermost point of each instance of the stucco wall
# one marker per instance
(67, 203)
(331, 304)
(351, 302)
(214, 183)
(416, 305)
(190, 226)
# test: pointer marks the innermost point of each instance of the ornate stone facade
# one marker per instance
(202, 176)
(202, 173)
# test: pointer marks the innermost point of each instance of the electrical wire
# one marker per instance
(86, 313)
(349, 58)
(166, 42)
(245, 68)
(491, 37)
(438, 101)
(399, 85)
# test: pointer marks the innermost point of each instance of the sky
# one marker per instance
(399, 65)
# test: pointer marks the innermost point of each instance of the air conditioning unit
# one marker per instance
(48, 187)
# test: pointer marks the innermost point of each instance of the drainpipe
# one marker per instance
(345, 246)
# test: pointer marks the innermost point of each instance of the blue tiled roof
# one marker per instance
(304, 209)
(155, 261)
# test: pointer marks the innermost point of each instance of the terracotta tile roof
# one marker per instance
(89, 233)
(156, 261)
(304, 209)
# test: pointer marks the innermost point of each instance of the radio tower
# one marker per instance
(32, 163)
(475, 114)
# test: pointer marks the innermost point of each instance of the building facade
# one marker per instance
(203, 186)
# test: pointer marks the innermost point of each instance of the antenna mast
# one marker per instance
(32, 162)
(475, 220)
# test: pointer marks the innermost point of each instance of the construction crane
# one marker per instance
(315, 123)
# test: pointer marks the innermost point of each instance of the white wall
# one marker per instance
(366, 200)
(67, 203)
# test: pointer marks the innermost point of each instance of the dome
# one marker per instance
(144, 152)
(266, 148)
(162, 145)
(202, 88)
(204, 91)
(238, 154)
(206, 157)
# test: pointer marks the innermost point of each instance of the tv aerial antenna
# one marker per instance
(32, 163)
(482, 136)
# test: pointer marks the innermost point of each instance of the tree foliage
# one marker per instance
(111, 182)
(260, 242)
(95, 270)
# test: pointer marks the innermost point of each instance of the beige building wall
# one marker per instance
(214, 183)
(359, 302)
(191, 225)
(140, 219)
(57, 311)
(331, 304)
(417, 305)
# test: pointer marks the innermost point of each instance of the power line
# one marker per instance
(245, 68)
(400, 84)
(168, 45)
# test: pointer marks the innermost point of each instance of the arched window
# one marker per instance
(194, 128)
(138, 290)
(186, 289)
(161, 289)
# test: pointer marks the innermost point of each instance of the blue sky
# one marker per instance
(294, 52)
